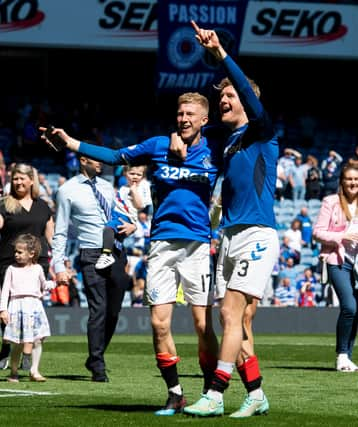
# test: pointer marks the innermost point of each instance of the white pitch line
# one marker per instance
(12, 393)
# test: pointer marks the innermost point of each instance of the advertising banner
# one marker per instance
(184, 65)
(275, 28)
(300, 29)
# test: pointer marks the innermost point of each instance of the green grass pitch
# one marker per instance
(298, 370)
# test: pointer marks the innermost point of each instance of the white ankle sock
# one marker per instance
(257, 394)
(176, 389)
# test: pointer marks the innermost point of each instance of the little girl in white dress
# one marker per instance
(21, 307)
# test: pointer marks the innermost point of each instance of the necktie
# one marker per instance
(100, 197)
(104, 205)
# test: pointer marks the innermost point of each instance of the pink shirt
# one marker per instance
(329, 229)
(23, 281)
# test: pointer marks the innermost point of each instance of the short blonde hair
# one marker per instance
(194, 98)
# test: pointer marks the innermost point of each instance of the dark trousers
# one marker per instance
(105, 292)
(342, 279)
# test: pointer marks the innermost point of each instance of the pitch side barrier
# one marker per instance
(275, 320)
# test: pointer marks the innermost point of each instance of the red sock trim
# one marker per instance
(207, 361)
(164, 360)
(242, 372)
(222, 375)
(252, 369)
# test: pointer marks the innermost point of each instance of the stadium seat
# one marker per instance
(314, 204)
(307, 260)
(298, 204)
(306, 252)
(287, 203)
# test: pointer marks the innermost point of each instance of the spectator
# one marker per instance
(333, 157)
(337, 230)
(306, 227)
(78, 201)
(297, 179)
(307, 294)
(294, 235)
(313, 179)
(23, 211)
(281, 182)
(21, 308)
(289, 271)
(330, 173)
(287, 252)
(130, 199)
(287, 162)
(285, 294)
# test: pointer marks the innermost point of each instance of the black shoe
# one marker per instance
(87, 365)
(100, 377)
(174, 405)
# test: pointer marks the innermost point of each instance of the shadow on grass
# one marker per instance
(70, 377)
(24, 378)
(304, 368)
(121, 408)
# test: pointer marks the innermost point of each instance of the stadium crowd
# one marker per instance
(307, 171)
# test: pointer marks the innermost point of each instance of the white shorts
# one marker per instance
(184, 262)
(246, 260)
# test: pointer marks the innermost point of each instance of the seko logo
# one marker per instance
(299, 26)
(19, 14)
(129, 15)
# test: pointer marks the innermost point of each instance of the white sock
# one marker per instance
(257, 394)
(227, 367)
(176, 389)
(343, 356)
(36, 357)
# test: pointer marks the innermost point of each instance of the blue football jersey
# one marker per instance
(182, 189)
(250, 159)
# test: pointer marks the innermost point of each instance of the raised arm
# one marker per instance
(210, 41)
(102, 154)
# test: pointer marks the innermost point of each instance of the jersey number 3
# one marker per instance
(244, 265)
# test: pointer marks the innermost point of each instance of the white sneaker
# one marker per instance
(104, 261)
(344, 364)
(252, 407)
